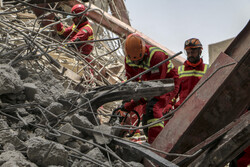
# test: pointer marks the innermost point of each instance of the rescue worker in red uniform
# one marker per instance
(81, 30)
(190, 72)
(140, 57)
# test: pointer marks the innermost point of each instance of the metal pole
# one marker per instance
(150, 69)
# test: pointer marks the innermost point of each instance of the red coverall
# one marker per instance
(154, 107)
(83, 32)
(244, 160)
(189, 76)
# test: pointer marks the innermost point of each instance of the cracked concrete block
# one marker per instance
(85, 147)
(68, 128)
(9, 147)
(39, 132)
(14, 159)
(82, 121)
(4, 125)
(10, 81)
(44, 152)
(102, 139)
(30, 89)
(95, 154)
(43, 99)
(56, 108)
(28, 119)
(71, 94)
(75, 145)
(10, 136)
(22, 112)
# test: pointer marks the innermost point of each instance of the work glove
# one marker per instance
(129, 106)
(132, 104)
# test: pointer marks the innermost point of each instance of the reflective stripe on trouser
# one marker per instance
(153, 114)
(154, 130)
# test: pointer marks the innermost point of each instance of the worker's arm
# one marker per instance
(167, 70)
(131, 72)
(82, 35)
(61, 30)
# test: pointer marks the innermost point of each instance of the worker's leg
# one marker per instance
(153, 113)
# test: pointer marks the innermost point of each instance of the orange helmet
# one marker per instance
(78, 8)
(192, 43)
(134, 47)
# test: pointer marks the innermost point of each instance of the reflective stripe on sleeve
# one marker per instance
(61, 32)
(170, 66)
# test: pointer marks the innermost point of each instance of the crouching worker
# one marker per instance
(81, 30)
(141, 57)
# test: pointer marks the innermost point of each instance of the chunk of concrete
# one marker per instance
(10, 81)
(9, 147)
(102, 139)
(85, 147)
(44, 152)
(95, 154)
(22, 112)
(9, 136)
(56, 108)
(14, 159)
(82, 121)
(69, 129)
(30, 89)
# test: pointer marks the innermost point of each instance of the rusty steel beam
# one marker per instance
(119, 10)
(116, 26)
(222, 95)
(234, 142)
(212, 140)
(122, 29)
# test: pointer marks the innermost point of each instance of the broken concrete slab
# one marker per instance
(22, 112)
(30, 89)
(14, 158)
(69, 129)
(10, 136)
(95, 154)
(55, 108)
(44, 152)
(102, 139)
(85, 147)
(9, 147)
(10, 81)
(82, 121)
(29, 119)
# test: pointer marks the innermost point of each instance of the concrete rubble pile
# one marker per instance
(36, 129)
(41, 121)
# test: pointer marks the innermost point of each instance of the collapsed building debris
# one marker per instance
(55, 112)
(43, 86)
